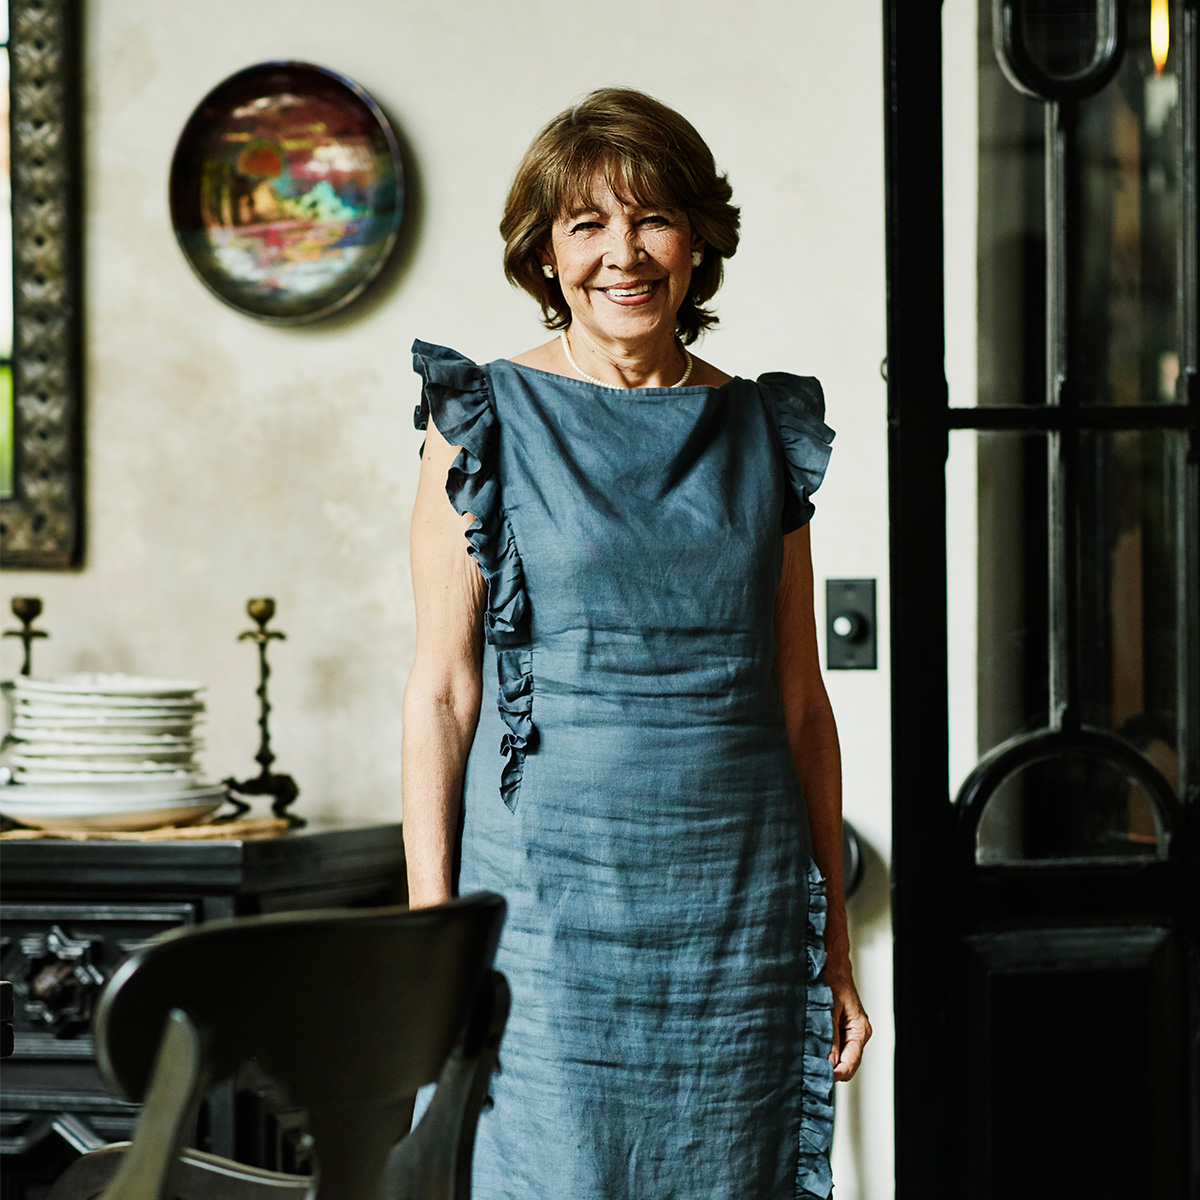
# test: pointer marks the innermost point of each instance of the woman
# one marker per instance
(636, 633)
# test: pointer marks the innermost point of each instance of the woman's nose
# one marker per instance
(626, 249)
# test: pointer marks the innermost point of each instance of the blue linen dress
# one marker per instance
(632, 791)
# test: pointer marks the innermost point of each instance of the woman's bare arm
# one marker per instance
(814, 740)
(442, 697)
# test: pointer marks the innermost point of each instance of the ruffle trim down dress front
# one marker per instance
(457, 390)
(459, 394)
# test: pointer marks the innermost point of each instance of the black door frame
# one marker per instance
(928, 830)
(918, 444)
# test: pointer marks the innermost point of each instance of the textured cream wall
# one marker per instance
(228, 459)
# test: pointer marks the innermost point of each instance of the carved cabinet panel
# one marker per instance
(57, 957)
(71, 911)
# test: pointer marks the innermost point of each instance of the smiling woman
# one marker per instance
(624, 271)
(632, 147)
(636, 633)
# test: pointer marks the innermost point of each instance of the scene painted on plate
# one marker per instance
(285, 191)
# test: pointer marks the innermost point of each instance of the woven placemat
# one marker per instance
(243, 827)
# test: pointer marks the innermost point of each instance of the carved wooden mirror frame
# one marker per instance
(41, 523)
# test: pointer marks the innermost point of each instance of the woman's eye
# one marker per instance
(655, 220)
(584, 226)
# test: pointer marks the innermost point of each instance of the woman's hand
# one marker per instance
(851, 1026)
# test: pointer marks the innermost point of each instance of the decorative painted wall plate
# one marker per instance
(287, 191)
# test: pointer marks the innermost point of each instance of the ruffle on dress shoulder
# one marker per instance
(458, 394)
(797, 406)
(814, 1178)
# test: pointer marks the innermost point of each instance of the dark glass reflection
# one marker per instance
(1129, 602)
(1068, 808)
(1060, 35)
(1128, 596)
(1013, 597)
(1125, 276)
(1123, 180)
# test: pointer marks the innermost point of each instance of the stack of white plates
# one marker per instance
(117, 748)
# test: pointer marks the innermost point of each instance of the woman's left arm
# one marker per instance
(814, 740)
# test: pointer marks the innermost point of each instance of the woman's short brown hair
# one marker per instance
(658, 158)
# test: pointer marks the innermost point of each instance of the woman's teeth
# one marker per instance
(640, 290)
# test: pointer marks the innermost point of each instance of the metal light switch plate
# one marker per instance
(850, 628)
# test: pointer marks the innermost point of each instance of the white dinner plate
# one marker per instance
(50, 725)
(105, 738)
(76, 706)
(94, 699)
(35, 752)
(59, 808)
(150, 818)
(108, 685)
(128, 712)
(96, 782)
(31, 764)
(58, 797)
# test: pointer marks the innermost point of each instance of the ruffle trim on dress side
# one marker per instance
(797, 404)
(460, 397)
(814, 1178)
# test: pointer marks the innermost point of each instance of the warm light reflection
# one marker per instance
(1160, 33)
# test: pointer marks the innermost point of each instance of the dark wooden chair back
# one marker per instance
(351, 1011)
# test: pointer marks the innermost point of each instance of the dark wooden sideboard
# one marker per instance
(70, 911)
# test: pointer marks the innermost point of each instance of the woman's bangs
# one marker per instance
(644, 183)
(631, 178)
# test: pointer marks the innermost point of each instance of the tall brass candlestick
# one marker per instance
(26, 609)
(266, 783)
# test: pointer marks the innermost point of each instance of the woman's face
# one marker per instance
(624, 269)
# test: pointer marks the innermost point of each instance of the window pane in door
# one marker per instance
(1131, 605)
(1011, 232)
(1125, 180)
(1130, 589)
(1126, 167)
(1069, 808)
(997, 590)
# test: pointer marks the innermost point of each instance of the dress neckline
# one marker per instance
(635, 393)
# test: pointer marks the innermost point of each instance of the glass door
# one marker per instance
(1044, 416)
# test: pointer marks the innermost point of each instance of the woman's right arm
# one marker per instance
(441, 700)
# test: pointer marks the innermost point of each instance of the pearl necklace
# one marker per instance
(616, 387)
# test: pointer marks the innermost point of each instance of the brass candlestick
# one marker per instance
(266, 782)
(26, 609)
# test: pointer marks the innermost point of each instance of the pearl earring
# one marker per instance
(697, 257)
(548, 270)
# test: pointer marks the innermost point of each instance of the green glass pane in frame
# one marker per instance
(6, 430)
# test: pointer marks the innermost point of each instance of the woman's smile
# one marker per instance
(629, 294)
